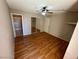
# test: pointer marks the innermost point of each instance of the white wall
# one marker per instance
(46, 24)
(6, 39)
(72, 50)
(57, 25)
(40, 22)
(26, 21)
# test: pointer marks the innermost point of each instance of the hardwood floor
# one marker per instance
(39, 46)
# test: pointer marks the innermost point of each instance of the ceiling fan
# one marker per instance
(46, 10)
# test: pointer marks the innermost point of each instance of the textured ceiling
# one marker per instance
(34, 5)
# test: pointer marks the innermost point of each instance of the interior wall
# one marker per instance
(46, 24)
(58, 26)
(26, 21)
(72, 50)
(40, 23)
(6, 36)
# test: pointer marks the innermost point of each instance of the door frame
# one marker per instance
(11, 14)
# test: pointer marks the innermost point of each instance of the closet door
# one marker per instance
(17, 22)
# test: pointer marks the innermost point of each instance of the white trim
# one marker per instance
(16, 13)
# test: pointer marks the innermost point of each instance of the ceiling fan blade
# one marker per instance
(50, 11)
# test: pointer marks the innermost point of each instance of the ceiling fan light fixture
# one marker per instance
(44, 13)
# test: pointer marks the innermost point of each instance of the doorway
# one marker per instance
(33, 25)
(17, 25)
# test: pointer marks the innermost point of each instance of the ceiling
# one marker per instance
(34, 5)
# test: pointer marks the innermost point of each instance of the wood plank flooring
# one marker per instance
(39, 46)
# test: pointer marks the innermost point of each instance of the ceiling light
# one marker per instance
(44, 13)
